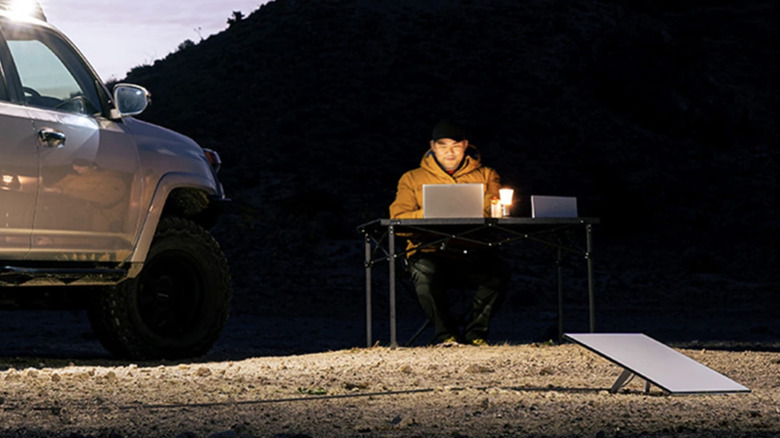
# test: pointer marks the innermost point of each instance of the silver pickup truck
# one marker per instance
(103, 209)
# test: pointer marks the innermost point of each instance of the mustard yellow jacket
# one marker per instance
(408, 198)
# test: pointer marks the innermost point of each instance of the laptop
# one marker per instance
(553, 206)
(453, 200)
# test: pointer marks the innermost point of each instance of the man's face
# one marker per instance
(449, 152)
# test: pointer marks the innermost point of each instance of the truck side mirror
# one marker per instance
(131, 99)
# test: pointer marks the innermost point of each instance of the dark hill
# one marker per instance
(661, 116)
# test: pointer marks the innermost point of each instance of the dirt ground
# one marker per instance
(502, 390)
(292, 365)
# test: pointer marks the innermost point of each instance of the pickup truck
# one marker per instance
(101, 210)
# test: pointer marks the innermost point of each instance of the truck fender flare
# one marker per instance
(165, 186)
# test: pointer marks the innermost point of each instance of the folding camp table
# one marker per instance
(380, 246)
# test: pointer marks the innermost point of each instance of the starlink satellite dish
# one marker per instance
(642, 356)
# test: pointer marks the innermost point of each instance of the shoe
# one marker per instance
(478, 342)
(449, 342)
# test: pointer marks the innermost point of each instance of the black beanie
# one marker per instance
(448, 130)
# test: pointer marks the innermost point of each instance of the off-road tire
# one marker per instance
(176, 307)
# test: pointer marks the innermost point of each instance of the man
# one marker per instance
(451, 160)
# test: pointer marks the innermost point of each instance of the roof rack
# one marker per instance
(30, 8)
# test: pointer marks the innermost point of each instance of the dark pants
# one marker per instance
(435, 273)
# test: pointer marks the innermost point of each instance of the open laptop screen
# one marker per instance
(453, 200)
(553, 206)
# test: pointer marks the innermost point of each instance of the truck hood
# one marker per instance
(154, 138)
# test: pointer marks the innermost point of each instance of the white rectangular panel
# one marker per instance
(657, 363)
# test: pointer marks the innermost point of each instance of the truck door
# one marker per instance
(87, 163)
(18, 180)
(18, 169)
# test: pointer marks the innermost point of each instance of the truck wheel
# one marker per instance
(176, 307)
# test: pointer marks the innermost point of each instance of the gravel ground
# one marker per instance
(292, 362)
(502, 390)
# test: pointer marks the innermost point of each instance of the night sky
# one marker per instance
(116, 38)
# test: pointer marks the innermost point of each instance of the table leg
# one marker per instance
(391, 269)
(559, 268)
(369, 335)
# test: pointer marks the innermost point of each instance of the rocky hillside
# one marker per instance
(660, 116)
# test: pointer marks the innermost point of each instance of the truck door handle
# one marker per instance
(51, 138)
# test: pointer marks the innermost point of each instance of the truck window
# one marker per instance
(4, 59)
(3, 89)
(51, 73)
